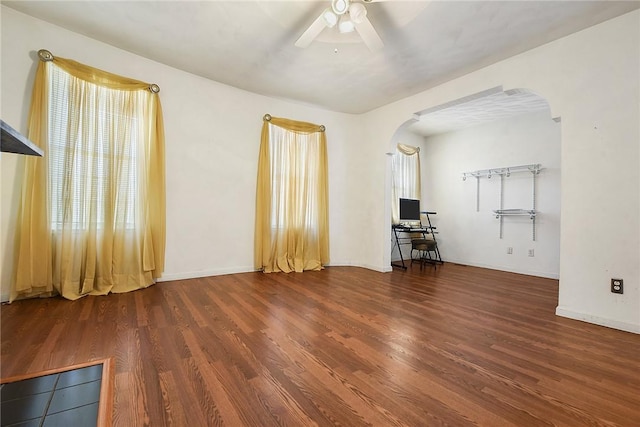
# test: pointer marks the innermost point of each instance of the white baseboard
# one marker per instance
(222, 271)
(545, 274)
(367, 266)
(596, 320)
(204, 273)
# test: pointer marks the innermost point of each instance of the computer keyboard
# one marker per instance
(408, 227)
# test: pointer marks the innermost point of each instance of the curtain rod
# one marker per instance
(46, 56)
(267, 118)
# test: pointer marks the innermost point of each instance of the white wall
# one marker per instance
(471, 237)
(212, 140)
(591, 81)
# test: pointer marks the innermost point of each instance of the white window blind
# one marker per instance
(90, 175)
(294, 172)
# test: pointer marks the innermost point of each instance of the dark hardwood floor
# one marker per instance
(455, 346)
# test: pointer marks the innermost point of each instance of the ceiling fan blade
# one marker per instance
(369, 35)
(311, 33)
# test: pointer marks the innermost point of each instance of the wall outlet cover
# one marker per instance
(617, 286)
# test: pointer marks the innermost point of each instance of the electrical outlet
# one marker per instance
(617, 286)
(509, 250)
(531, 253)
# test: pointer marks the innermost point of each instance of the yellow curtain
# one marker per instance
(92, 212)
(405, 171)
(292, 227)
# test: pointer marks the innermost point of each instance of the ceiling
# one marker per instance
(250, 44)
(477, 109)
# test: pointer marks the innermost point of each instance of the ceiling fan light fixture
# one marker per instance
(330, 18)
(357, 12)
(340, 7)
(346, 25)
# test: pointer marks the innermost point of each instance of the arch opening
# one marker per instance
(491, 129)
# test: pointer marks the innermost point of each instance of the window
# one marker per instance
(92, 215)
(92, 155)
(291, 203)
(405, 172)
(294, 173)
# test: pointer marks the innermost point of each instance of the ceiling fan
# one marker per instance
(348, 15)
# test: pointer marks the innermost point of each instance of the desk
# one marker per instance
(399, 239)
(398, 232)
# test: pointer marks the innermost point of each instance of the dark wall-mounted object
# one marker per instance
(14, 142)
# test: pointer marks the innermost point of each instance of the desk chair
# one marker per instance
(424, 247)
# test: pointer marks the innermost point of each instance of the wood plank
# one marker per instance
(349, 346)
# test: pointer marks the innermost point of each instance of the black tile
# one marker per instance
(26, 387)
(84, 416)
(79, 376)
(75, 396)
(29, 423)
(74, 402)
(24, 408)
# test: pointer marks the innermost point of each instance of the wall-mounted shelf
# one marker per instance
(505, 172)
(14, 142)
(509, 212)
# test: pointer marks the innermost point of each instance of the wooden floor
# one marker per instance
(345, 346)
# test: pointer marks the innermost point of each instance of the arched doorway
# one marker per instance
(487, 131)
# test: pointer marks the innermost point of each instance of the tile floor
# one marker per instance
(66, 399)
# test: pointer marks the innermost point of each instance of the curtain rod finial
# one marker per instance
(45, 55)
(267, 117)
(154, 88)
(322, 128)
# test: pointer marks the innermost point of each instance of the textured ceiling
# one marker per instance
(486, 108)
(250, 44)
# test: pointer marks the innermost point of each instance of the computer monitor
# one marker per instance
(409, 210)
